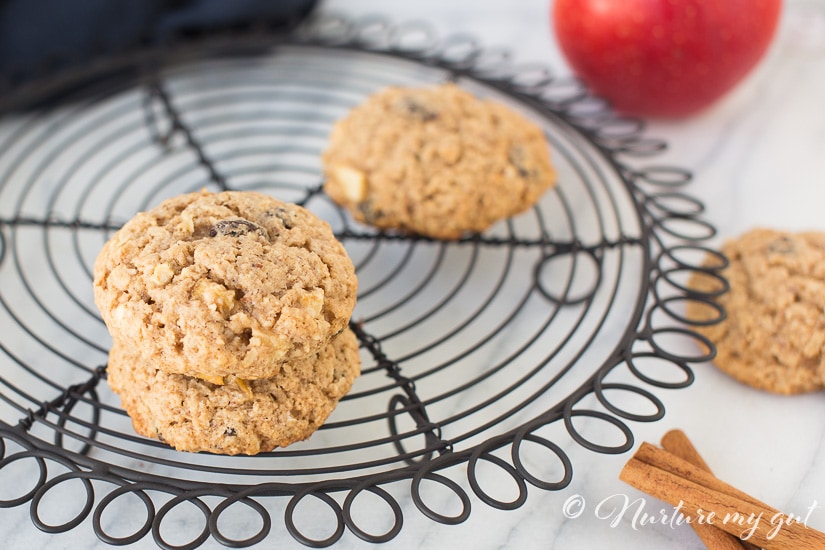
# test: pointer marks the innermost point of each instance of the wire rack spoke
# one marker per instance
(177, 125)
(57, 223)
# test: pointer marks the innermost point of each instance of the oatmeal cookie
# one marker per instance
(774, 335)
(224, 284)
(435, 161)
(241, 416)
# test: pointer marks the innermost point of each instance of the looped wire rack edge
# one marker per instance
(499, 351)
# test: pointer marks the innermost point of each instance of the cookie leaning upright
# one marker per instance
(435, 161)
(233, 283)
(773, 337)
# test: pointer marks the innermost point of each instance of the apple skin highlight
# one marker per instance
(664, 58)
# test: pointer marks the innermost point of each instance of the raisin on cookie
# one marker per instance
(435, 161)
(211, 285)
(773, 336)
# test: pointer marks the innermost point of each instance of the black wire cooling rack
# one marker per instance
(499, 351)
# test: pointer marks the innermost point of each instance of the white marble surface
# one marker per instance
(759, 159)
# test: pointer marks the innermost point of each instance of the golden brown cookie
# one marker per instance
(774, 335)
(435, 161)
(241, 416)
(217, 284)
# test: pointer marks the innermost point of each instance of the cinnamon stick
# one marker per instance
(700, 495)
(660, 458)
(677, 443)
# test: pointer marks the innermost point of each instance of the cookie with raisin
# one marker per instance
(435, 161)
(236, 283)
(773, 336)
(238, 416)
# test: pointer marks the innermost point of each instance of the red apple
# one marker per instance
(663, 58)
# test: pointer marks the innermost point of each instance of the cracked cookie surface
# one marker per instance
(435, 161)
(773, 337)
(224, 284)
(240, 416)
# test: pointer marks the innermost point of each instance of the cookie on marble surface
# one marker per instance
(224, 284)
(435, 161)
(773, 337)
(241, 416)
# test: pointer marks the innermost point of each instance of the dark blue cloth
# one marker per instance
(38, 34)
